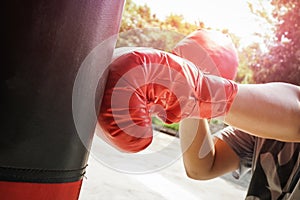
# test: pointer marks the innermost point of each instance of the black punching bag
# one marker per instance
(44, 45)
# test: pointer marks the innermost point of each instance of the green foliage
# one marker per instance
(140, 17)
(174, 126)
(246, 55)
(135, 16)
(149, 37)
(282, 60)
(139, 27)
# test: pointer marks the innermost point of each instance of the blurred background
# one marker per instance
(265, 32)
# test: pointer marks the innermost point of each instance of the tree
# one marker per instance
(282, 60)
(134, 16)
(139, 27)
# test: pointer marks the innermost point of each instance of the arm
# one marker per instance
(202, 158)
(267, 110)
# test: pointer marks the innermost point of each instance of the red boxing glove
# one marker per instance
(143, 82)
(211, 51)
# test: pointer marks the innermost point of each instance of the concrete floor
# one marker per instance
(154, 174)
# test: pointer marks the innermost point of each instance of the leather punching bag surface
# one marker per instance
(45, 42)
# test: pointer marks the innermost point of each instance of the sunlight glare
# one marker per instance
(233, 15)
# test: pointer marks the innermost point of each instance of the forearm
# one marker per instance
(267, 110)
(203, 159)
(194, 137)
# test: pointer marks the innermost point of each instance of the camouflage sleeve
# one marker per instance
(242, 144)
